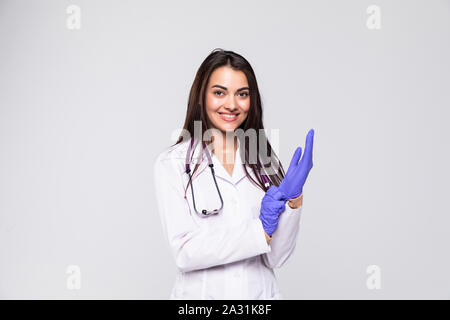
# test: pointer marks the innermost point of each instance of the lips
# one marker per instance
(229, 117)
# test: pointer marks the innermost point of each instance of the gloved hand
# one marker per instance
(271, 207)
(293, 181)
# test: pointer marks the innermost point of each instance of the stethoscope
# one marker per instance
(206, 213)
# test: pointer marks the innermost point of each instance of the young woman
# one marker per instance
(222, 204)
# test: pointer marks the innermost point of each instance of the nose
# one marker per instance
(231, 105)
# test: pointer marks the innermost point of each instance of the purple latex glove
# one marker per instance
(294, 180)
(271, 207)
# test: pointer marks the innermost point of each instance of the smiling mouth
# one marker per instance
(228, 116)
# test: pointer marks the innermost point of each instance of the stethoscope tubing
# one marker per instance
(204, 213)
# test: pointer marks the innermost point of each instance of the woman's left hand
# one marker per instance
(295, 178)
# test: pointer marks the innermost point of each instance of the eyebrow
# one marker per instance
(224, 88)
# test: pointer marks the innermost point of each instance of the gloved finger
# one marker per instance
(295, 157)
(275, 194)
(273, 191)
(279, 202)
(277, 205)
(273, 205)
(309, 145)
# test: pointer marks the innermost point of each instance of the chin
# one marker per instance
(228, 127)
(225, 127)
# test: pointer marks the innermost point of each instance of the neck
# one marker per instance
(224, 144)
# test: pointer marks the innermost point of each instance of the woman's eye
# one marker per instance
(242, 94)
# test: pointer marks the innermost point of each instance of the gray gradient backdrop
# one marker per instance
(83, 114)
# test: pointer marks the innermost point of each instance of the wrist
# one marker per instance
(268, 238)
(297, 202)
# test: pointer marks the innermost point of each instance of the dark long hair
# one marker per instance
(196, 111)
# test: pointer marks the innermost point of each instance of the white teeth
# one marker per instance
(229, 115)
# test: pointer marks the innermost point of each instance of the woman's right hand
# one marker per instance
(268, 239)
(271, 207)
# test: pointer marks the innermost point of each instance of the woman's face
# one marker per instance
(227, 98)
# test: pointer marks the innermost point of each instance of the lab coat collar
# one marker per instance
(238, 169)
(219, 169)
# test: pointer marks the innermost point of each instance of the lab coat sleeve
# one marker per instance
(284, 238)
(194, 246)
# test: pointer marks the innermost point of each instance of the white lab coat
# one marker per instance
(224, 256)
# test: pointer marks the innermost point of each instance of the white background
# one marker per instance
(84, 113)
